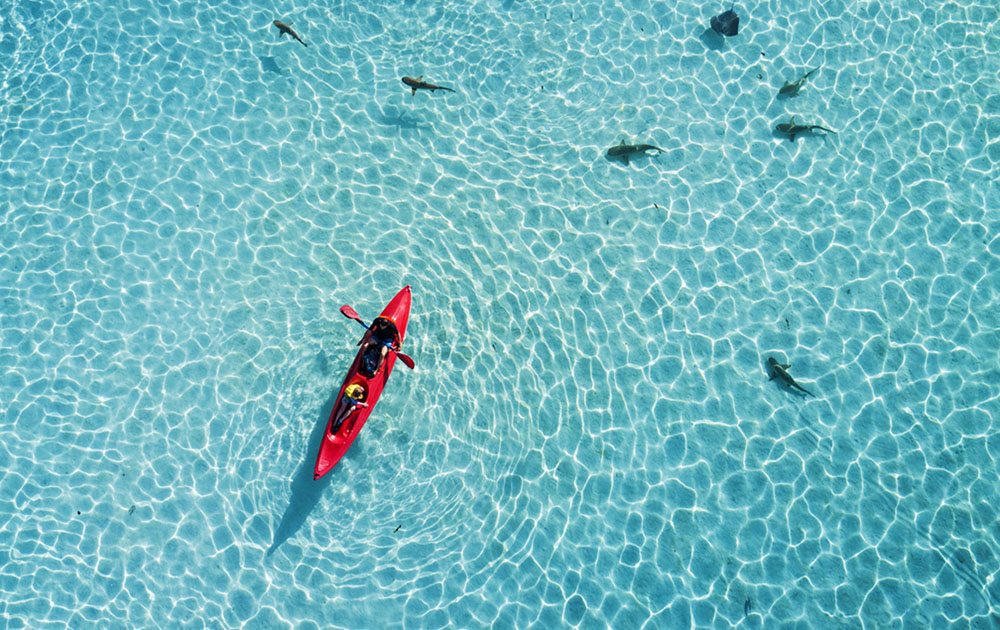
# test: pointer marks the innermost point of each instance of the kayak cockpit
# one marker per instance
(383, 335)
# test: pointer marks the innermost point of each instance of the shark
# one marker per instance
(791, 129)
(420, 84)
(287, 29)
(780, 371)
(623, 151)
(789, 90)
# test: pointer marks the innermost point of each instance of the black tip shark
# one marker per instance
(623, 151)
(788, 90)
(779, 371)
(791, 129)
(284, 29)
(726, 23)
(420, 84)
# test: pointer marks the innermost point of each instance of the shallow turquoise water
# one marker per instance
(590, 439)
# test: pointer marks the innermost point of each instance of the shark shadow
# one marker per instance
(400, 119)
(268, 64)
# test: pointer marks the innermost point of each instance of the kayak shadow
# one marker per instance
(305, 491)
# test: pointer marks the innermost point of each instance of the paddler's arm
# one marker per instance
(388, 344)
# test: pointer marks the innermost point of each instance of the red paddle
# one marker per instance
(350, 313)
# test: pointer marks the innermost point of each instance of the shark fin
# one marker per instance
(280, 33)
(414, 92)
(420, 78)
(785, 366)
(625, 158)
(622, 143)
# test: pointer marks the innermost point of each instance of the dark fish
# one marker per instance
(420, 84)
(623, 151)
(747, 607)
(726, 23)
(397, 529)
(791, 130)
(284, 29)
(792, 89)
(779, 371)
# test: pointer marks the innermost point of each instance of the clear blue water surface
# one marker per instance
(590, 439)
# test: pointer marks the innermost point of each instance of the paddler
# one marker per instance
(383, 337)
(354, 396)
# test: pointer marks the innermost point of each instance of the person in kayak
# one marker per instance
(354, 396)
(384, 336)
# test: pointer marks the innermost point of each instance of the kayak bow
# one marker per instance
(334, 445)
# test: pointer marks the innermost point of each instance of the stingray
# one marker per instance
(727, 23)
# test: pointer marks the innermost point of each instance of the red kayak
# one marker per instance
(365, 380)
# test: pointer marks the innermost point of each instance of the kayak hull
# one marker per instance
(335, 445)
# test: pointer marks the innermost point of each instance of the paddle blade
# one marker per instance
(350, 313)
(407, 361)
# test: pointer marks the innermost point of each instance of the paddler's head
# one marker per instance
(384, 328)
(355, 391)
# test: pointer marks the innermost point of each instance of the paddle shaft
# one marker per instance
(350, 313)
